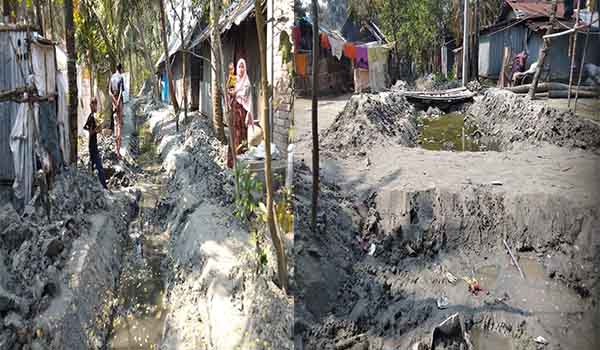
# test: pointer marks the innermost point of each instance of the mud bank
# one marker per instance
(56, 277)
(214, 298)
(507, 120)
(371, 120)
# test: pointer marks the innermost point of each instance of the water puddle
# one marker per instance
(486, 340)
(488, 276)
(532, 269)
(447, 132)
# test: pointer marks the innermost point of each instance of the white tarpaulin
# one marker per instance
(62, 116)
(21, 144)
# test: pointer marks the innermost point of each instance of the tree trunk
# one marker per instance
(543, 51)
(185, 76)
(163, 33)
(216, 81)
(275, 237)
(40, 17)
(315, 112)
(51, 18)
(184, 63)
(475, 73)
(72, 76)
(465, 48)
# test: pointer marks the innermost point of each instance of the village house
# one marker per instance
(521, 26)
(340, 70)
(239, 39)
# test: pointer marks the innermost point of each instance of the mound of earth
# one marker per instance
(507, 119)
(369, 120)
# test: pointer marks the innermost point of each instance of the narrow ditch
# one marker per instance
(139, 315)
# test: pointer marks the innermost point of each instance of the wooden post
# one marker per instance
(574, 53)
(315, 113)
(465, 67)
(475, 72)
(585, 46)
(543, 52)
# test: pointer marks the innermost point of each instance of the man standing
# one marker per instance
(116, 89)
(92, 129)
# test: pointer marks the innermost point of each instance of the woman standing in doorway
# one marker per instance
(241, 99)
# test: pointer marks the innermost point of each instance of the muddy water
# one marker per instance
(140, 312)
(446, 133)
(486, 340)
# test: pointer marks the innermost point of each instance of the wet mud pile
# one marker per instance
(507, 120)
(369, 120)
(48, 297)
(215, 297)
(119, 173)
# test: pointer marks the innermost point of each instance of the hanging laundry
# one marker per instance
(301, 62)
(324, 41)
(350, 51)
(337, 47)
(362, 57)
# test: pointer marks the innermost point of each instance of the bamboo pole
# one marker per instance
(574, 53)
(585, 46)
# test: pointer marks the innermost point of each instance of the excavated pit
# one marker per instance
(374, 274)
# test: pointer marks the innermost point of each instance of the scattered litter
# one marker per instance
(372, 248)
(497, 183)
(451, 278)
(474, 286)
(541, 340)
(411, 252)
(566, 169)
(442, 302)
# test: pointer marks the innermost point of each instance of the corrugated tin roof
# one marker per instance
(235, 14)
(175, 43)
(535, 8)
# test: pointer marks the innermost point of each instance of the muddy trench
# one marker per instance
(138, 307)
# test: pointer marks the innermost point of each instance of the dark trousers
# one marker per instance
(96, 161)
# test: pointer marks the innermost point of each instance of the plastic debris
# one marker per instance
(372, 248)
(442, 302)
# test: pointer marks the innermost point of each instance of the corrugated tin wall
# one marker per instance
(558, 60)
(13, 61)
(492, 47)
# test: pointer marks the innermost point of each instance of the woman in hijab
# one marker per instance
(241, 99)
